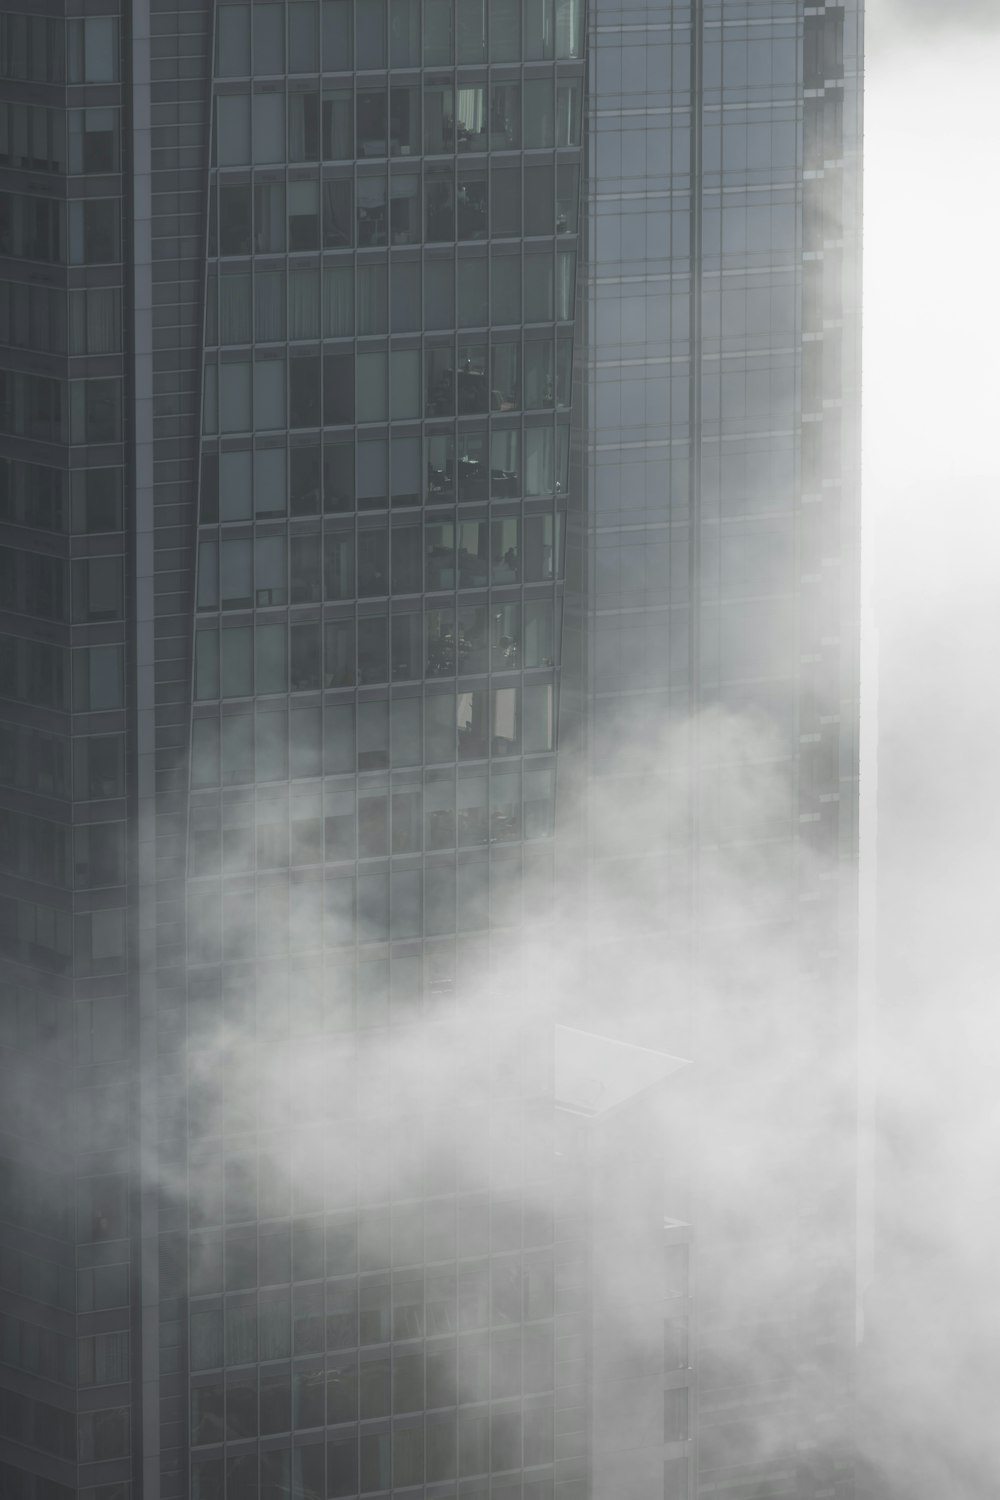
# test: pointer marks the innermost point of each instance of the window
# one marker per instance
(92, 50)
(505, 201)
(232, 52)
(505, 116)
(304, 126)
(269, 38)
(94, 231)
(95, 411)
(372, 223)
(268, 128)
(675, 1415)
(32, 228)
(95, 321)
(99, 766)
(306, 481)
(101, 1203)
(93, 140)
(33, 138)
(104, 1435)
(269, 217)
(370, 37)
(338, 125)
(32, 48)
(338, 220)
(98, 678)
(97, 589)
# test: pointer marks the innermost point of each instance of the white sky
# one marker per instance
(932, 651)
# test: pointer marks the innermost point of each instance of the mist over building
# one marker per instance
(428, 765)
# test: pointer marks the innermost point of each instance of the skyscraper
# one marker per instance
(407, 406)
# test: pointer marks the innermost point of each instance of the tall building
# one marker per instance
(421, 421)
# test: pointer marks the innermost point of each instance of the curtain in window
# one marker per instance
(269, 298)
(303, 305)
(338, 301)
(472, 109)
(569, 28)
(538, 461)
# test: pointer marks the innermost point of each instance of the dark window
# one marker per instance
(372, 650)
(306, 480)
(337, 216)
(304, 391)
(338, 565)
(96, 497)
(306, 653)
(235, 229)
(305, 561)
(94, 231)
(269, 217)
(439, 205)
(97, 589)
(505, 201)
(370, 36)
(373, 571)
(338, 389)
(303, 126)
(338, 477)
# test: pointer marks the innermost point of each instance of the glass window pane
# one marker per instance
(270, 494)
(505, 30)
(232, 129)
(438, 32)
(404, 33)
(338, 45)
(539, 120)
(370, 38)
(338, 301)
(371, 387)
(269, 394)
(269, 307)
(268, 127)
(234, 397)
(405, 379)
(235, 662)
(234, 486)
(269, 38)
(473, 293)
(303, 36)
(373, 310)
(232, 57)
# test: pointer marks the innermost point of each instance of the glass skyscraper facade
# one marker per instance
(414, 412)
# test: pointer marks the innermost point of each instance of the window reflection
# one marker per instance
(472, 655)
(472, 466)
(473, 554)
(505, 549)
(505, 637)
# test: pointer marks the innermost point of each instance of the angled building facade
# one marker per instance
(409, 408)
